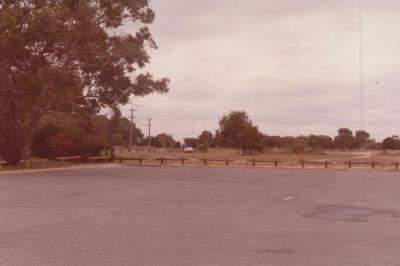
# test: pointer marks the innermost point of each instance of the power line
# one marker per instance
(361, 64)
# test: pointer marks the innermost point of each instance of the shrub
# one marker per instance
(91, 146)
(61, 145)
(40, 147)
(202, 147)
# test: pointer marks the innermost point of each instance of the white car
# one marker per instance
(188, 150)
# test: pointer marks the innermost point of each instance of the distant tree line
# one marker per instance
(237, 131)
(60, 134)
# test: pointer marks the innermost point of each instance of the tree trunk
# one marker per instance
(15, 129)
(11, 140)
(11, 152)
(17, 120)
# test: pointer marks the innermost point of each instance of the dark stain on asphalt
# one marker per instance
(349, 213)
(280, 251)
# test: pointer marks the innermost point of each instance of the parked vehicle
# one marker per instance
(188, 150)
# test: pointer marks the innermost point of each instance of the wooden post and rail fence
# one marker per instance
(276, 162)
(205, 162)
(316, 163)
(373, 164)
(256, 162)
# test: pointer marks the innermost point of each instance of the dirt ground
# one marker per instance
(121, 215)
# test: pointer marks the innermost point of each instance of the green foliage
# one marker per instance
(361, 139)
(91, 146)
(320, 141)
(237, 131)
(207, 138)
(345, 139)
(191, 142)
(163, 140)
(202, 147)
(61, 145)
(298, 145)
(40, 146)
(391, 143)
(178, 144)
(63, 135)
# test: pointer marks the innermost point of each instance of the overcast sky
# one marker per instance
(293, 65)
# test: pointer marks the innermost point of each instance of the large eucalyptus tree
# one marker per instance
(74, 56)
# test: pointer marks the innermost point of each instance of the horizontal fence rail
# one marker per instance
(69, 158)
(254, 161)
(139, 159)
(206, 160)
(373, 164)
(162, 160)
(325, 163)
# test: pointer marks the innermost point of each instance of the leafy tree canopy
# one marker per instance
(207, 138)
(191, 142)
(237, 131)
(71, 56)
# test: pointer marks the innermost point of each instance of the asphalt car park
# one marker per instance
(121, 215)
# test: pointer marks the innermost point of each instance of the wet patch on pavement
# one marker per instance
(349, 213)
(280, 251)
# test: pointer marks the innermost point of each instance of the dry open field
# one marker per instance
(338, 158)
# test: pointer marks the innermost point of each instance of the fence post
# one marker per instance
(326, 164)
(140, 160)
(302, 163)
(226, 161)
(254, 161)
(183, 161)
(350, 164)
(276, 163)
(162, 160)
(205, 161)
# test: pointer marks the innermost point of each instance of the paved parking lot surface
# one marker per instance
(120, 215)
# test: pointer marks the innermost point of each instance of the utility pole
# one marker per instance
(131, 126)
(148, 138)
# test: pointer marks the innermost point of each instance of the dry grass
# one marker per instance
(338, 158)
